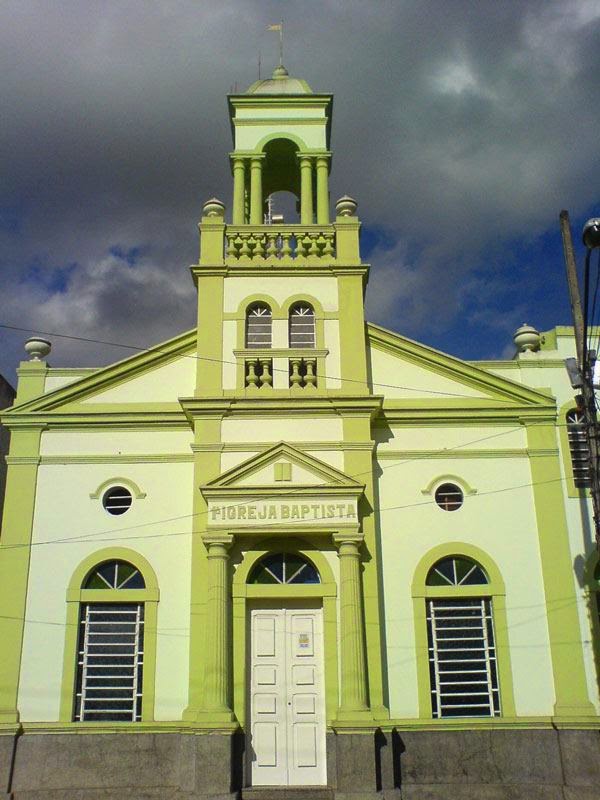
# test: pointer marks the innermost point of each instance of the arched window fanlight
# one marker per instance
(456, 571)
(258, 326)
(302, 326)
(284, 568)
(114, 575)
(579, 448)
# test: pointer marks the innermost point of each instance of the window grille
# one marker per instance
(258, 326)
(462, 658)
(302, 326)
(110, 662)
(449, 497)
(284, 568)
(117, 500)
(579, 448)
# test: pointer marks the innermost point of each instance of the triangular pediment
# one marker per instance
(285, 467)
(404, 369)
(158, 375)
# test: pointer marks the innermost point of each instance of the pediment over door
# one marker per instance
(282, 488)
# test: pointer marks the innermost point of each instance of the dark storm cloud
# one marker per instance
(458, 126)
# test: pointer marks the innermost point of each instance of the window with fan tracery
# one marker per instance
(258, 326)
(302, 326)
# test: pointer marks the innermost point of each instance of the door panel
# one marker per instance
(287, 704)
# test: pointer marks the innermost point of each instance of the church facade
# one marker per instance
(292, 553)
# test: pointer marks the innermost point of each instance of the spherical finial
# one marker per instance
(280, 72)
(591, 233)
(213, 208)
(37, 348)
(346, 206)
(527, 338)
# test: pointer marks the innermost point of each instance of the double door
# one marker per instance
(286, 697)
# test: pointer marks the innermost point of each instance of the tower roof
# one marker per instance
(280, 83)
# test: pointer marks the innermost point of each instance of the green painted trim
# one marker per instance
(106, 377)
(76, 595)
(15, 552)
(127, 482)
(402, 455)
(453, 368)
(120, 458)
(334, 405)
(463, 412)
(309, 548)
(566, 648)
(494, 588)
(447, 478)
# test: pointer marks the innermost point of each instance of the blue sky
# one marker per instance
(461, 128)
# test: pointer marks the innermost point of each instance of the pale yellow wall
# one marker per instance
(247, 137)
(280, 289)
(275, 429)
(229, 362)
(459, 437)
(390, 374)
(56, 442)
(504, 526)
(162, 385)
(333, 363)
(165, 544)
(280, 112)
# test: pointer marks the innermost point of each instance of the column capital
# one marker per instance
(305, 158)
(256, 158)
(349, 540)
(217, 543)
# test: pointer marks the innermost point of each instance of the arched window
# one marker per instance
(110, 652)
(463, 667)
(258, 326)
(302, 326)
(284, 568)
(578, 447)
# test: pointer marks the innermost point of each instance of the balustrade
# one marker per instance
(259, 373)
(271, 243)
(303, 373)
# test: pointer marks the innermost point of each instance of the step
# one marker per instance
(287, 793)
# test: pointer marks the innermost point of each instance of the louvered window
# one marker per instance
(110, 653)
(461, 645)
(258, 326)
(579, 448)
(302, 326)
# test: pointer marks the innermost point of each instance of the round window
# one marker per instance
(449, 497)
(117, 500)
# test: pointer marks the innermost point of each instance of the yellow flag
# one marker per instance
(273, 27)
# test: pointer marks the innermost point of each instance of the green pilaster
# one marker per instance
(256, 192)
(354, 693)
(217, 682)
(566, 647)
(352, 334)
(239, 182)
(15, 544)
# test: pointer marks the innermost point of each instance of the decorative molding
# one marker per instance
(120, 458)
(449, 453)
(467, 490)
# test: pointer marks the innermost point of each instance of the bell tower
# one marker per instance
(262, 265)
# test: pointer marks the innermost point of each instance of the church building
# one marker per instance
(290, 553)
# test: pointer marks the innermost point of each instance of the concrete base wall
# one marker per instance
(412, 765)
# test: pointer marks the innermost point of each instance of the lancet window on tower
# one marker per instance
(258, 326)
(302, 326)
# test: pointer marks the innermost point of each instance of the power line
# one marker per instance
(234, 363)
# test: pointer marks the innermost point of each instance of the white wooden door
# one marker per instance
(287, 704)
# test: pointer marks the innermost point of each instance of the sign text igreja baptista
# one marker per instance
(309, 511)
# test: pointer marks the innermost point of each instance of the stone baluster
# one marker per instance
(310, 379)
(295, 377)
(272, 245)
(251, 376)
(266, 379)
(286, 250)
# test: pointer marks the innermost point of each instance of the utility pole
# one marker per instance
(585, 364)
